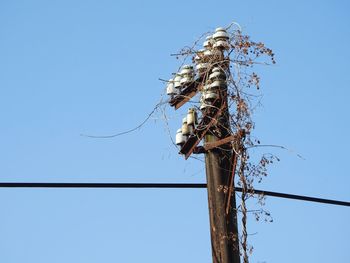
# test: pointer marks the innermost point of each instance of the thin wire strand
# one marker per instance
(127, 131)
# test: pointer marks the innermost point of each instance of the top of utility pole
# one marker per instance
(218, 123)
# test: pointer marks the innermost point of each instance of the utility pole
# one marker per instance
(222, 208)
(210, 79)
(223, 226)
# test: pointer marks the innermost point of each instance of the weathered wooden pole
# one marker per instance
(220, 166)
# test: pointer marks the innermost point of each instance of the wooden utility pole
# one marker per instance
(222, 208)
(212, 73)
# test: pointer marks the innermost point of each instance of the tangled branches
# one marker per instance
(226, 85)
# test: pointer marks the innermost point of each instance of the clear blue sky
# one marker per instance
(72, 67)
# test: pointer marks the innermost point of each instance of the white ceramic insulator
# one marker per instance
(222, 43)
(186, 71)
(217, 84)
(202, 67)
(217, 75)
(180, 139)
(170, 89)
(191, 129)
(185, 129)
(210, 96)
(186, 79)
(191, 118)
(220, 33)
(177, 80)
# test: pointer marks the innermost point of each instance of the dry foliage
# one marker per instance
(243, 95)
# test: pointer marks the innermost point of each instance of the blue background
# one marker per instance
(72, 67)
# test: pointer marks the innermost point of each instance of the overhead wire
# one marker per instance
(167, 186)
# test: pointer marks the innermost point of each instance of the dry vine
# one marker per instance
(243, 85)
(237, 62)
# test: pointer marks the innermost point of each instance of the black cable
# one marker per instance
(103, 185)
(165, 185)
(300, 197)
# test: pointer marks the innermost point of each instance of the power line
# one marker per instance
(166, 185)
(300, 197)
(103, 185)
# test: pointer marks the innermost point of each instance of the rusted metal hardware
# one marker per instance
(211, 145)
